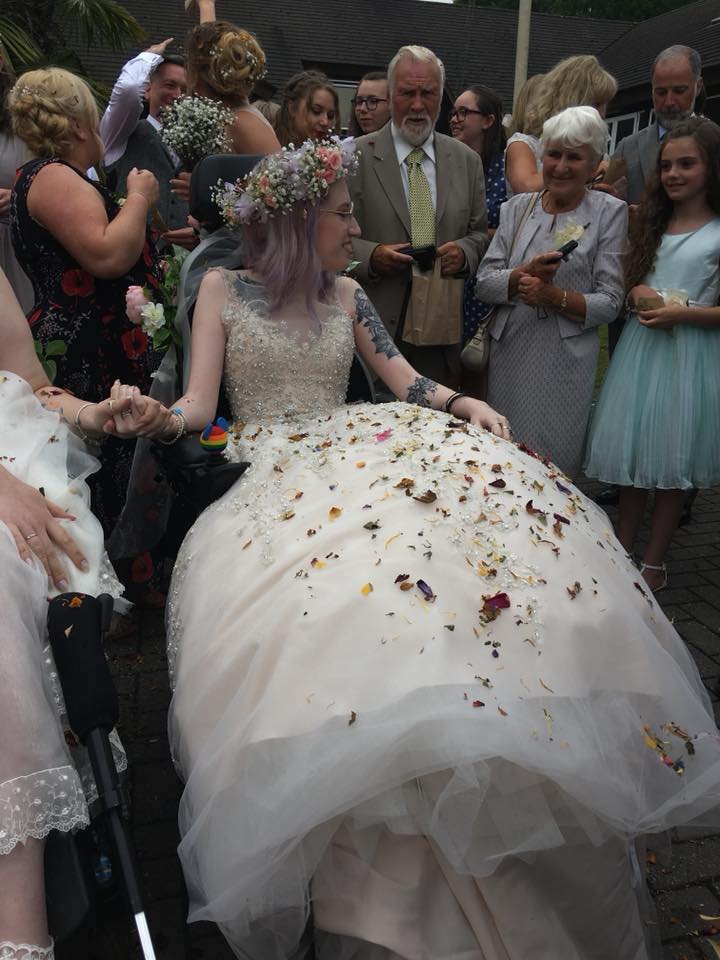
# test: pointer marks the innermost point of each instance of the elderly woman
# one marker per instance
(544, 342)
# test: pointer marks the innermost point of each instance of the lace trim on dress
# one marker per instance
(32, 806)
(25, 951)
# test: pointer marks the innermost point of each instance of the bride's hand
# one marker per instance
(33, 522)
(481, 415)
(137, 415)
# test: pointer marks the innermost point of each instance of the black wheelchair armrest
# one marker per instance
(197, 475)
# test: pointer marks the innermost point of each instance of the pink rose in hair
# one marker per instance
(135, 300)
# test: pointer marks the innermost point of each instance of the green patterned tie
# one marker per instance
(422, 212)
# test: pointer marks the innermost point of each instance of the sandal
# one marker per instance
(659, 568)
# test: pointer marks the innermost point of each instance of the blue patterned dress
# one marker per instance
(475, 310)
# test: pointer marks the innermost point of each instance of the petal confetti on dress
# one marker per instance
(426, 591)
(574, 590)
(428, 497)
(334, 513)
(353, 718)
(383, 435)
(366, 589)
(493, 605)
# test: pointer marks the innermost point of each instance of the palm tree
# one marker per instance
(35, 34)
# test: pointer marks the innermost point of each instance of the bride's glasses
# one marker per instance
(345, 215)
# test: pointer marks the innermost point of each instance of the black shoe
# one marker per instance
(686, 515)
(608, 497)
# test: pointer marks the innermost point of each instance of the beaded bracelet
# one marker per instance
(451, 400)
(182, 426)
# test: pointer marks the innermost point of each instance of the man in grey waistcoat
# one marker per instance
(131, 140)
(676, 83)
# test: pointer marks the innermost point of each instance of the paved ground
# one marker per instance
(684, 888)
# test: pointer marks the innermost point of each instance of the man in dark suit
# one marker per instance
(416, 187)
(676, 83)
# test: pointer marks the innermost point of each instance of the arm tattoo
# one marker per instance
(366, 315)
(421, 391)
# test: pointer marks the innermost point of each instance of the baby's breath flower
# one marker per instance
(195, 127)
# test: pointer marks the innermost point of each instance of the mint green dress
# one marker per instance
(657, 421)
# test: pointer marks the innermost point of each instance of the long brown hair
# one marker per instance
(649, 225)
(490, 105)
(299, 89)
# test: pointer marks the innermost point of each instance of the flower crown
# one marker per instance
(291, 176)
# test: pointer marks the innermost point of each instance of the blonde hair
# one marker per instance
(228, 58)
(524, 101)
(575, 82)
(43, 104)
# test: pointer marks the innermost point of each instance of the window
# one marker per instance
(621, 127)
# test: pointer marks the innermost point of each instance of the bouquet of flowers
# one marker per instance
(195, 127)
(157, 317)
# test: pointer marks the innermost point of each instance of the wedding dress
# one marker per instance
(45, 776)
(418, 687)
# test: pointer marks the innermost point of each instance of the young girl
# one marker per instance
(657, 424)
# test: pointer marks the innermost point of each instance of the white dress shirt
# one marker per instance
(403, 149)
(126, 103)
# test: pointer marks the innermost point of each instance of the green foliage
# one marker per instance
(46, 351)
(603, 9)
(37, 33)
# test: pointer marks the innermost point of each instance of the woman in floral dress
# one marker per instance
(82, 251)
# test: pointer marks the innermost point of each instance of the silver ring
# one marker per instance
(111, 404)
(125, 413)
(30, 536)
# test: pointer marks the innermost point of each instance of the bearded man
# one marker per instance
(419, 198)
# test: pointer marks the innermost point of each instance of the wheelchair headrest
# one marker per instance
(221, 166)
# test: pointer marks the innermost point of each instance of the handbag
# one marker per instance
(476, 352)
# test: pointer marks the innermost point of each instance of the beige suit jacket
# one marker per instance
(382, 212)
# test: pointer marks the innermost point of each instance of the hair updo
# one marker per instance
(43, 104)
(227, 58)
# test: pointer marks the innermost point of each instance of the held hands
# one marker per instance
(135, 415)
(144, 183)
(386, 258)
(452, 258)
(33, 522)
(185, 237)
(482, 415)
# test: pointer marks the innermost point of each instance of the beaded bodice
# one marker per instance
(277, 368)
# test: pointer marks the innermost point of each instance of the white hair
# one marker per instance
(576, 127)
(414, 52)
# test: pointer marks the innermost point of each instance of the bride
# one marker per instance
(419, 689)
(49, 542)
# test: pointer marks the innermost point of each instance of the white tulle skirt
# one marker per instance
(407, 658)
(43, 780)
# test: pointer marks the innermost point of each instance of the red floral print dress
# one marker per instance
(88, 314)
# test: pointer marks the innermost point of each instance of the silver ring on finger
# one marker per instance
(30, 536)
(111, 404)
(125, 413)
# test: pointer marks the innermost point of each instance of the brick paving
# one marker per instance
(684, 881)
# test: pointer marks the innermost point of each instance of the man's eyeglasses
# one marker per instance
(369, 102)
(461, 113)
(345, 215)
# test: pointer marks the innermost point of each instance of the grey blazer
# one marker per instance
(382, 212)
(594, 269)
(639, 151)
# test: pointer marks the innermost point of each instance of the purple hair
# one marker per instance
(282, 250)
